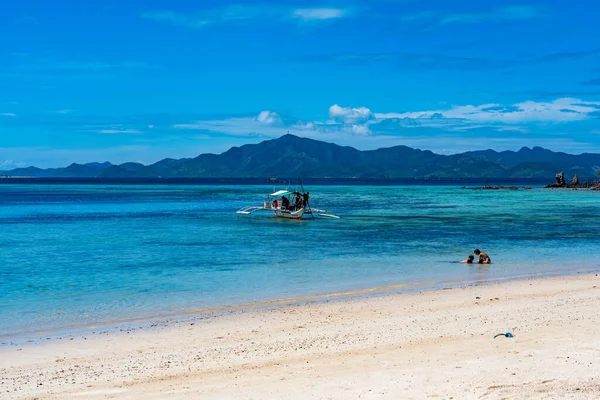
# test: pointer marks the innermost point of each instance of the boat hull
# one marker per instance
(298, 214)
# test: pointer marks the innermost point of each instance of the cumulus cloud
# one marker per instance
(520, 121)
(360, 130)
(8, 114)
(304, 125)
(271, 124)
(269, 118)
(349, 114)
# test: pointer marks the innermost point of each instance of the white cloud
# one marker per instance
(304, 125)
(268, 118)
(316, 14)
(267, 123)
(361, 121)
(244, 127)
(233, 126)
(270, 124)
(559, 110)
(63, 112)
(505, 126)
(361, 130)
(349, 114)
(8, 114)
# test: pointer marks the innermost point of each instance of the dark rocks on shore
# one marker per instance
(584, 185)
(575, 184)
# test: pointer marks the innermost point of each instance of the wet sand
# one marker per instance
(431, 344)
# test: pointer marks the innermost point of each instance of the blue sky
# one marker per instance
(145, 80)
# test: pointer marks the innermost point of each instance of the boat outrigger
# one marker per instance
(288, 204)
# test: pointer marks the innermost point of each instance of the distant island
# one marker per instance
(290, 156)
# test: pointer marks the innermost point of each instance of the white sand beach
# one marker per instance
(431, 344)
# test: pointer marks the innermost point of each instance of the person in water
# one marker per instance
(483, 257)
(469, 259)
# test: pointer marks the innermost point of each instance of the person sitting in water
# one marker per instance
(483, 257)
(469, 259)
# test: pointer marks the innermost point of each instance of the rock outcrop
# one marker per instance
(575, 184)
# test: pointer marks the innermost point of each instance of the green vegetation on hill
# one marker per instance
(291, 156)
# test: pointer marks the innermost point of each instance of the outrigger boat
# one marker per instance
(288, 204)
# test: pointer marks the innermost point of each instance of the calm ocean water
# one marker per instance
(80, 254)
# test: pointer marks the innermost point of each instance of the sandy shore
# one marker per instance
(436, 344)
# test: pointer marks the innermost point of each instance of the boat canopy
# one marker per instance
(281, 193)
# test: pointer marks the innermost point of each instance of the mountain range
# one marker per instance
(290, 156)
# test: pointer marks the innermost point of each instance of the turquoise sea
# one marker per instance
(75, 254)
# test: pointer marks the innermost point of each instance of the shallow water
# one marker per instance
(77, 254)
